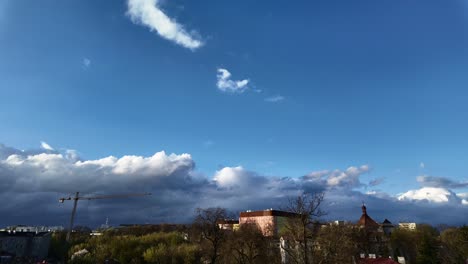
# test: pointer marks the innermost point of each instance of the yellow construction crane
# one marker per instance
(78, 197)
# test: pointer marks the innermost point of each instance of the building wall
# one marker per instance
(26, 246)
(409, 226)
(267, 224)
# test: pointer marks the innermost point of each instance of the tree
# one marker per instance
(454, 245)
(300, 230)
(335, 244)
(417, 246)
(212, 237)
(248, 245)
(403, 243)
(427, 244)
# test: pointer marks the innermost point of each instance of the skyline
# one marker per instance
(235, 103)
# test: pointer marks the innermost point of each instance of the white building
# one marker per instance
(408, 226)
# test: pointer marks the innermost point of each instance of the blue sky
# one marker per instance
(327, 85)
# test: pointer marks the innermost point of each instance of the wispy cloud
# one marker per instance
(422, 165)
(442, 182)
(208, 143)
(86, 62)
(225, 84)
(148, 13)
(46, 146)
(377, 181)
(274, 99)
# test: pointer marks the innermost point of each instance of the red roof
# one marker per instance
(366, 220)
(377, 261)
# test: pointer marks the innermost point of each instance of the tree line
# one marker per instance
(300, 240)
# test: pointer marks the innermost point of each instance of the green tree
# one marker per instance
(427, 244)
(403, 243)
(454, 245)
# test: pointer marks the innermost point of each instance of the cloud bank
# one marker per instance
(149, 14)
(31, 182)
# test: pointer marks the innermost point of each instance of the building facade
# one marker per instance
(268, 221)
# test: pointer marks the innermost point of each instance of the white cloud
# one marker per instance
(47, 172)
(148, 13)
(86, 62)
(46, 146)
(430, 194)
(337, 179)
(317, 174)
(33, 180)
(275, 99)
(347, 178)
(237, 177)
(225, 83)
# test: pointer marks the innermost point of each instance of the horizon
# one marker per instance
(233, 104)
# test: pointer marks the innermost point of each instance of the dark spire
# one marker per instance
(364, 210)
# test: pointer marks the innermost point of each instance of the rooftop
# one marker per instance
(269, 212)
(366, 220)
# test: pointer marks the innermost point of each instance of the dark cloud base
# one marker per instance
(32, 181)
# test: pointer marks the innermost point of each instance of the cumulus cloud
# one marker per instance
(28, 177)
(274, 99)
(48, 172)
(430, 194)
(432, 181)
(238, 177)
(334, 179)
(149, 14)
(225, 84)
(32, 181)
(347, 178)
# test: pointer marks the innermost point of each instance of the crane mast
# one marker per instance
(78, 197)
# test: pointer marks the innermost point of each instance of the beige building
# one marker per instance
(228, 224)
(268, 221)
(408, 226)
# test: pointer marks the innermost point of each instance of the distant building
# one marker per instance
(268, 221)
(366, 221)
(387, 227)
(377, 234)
(338, 223)
(25, 244)
(25, 228)
(408, 226)
(228, 224)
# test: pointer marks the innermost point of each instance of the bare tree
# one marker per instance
(336, 244)
(248, 245)
(299, 231)
(212, 237)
